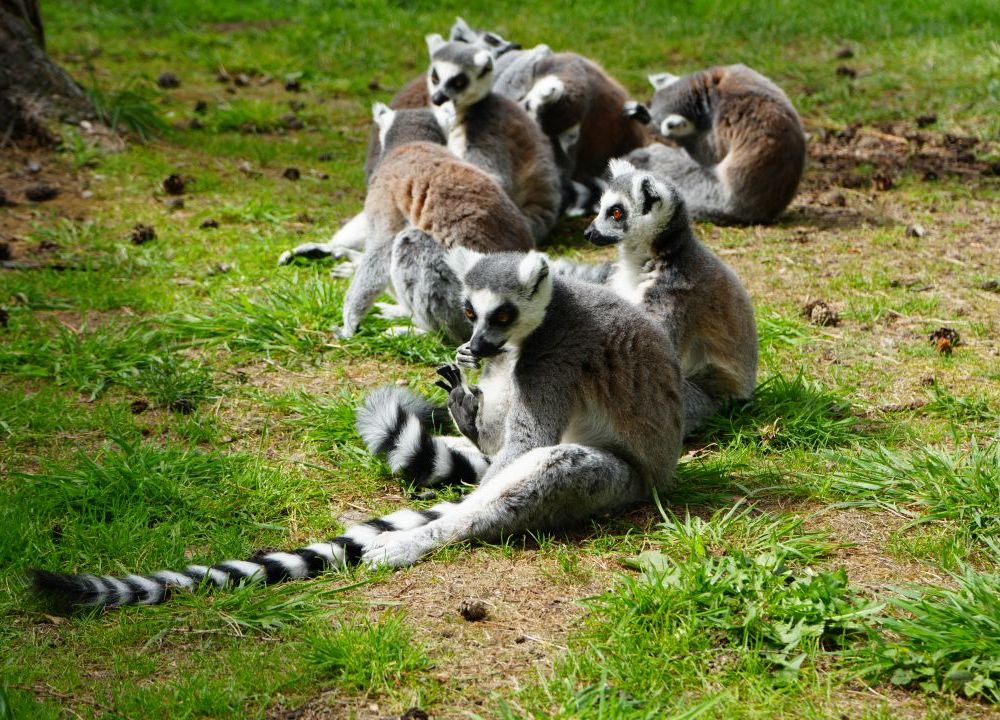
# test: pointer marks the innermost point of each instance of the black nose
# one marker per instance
(483, 348)
(439, 98)
(590, 232)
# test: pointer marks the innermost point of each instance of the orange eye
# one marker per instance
(470, 313)
(616, 213)
(434, 77)
(502, 317)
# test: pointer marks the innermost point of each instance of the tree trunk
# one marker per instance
(35, 93)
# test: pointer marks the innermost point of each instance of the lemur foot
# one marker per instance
(344, 270)
(341, 332)
(396, 548)
(391, 311)
(397, 330)
(317, 251)
(637, 111)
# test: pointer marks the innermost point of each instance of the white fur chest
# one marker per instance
(497, 387)
(631, 284)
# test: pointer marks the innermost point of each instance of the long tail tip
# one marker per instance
(62, 589)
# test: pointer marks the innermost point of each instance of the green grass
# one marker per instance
(369, 656)
(739, 607)
(945, 640)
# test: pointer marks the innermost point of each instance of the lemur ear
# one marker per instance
(383, 116)
(460, 259)
(542, 50)
(461, 32)
(618, 167)
(533, 271)
(648, 194)
(662, 80)
(434, 42)
(483, 60)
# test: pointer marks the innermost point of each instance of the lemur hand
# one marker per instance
(463, 400)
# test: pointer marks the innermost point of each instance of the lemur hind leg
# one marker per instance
(348, 242)
(699, 406)
(548, 487)
(427, 286)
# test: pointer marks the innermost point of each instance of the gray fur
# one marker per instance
(494, 133)
(421, 185)
(583, 428)
(427, 286)
(682, 284)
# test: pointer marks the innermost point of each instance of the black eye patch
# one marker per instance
(503, 315)
(492, 40)
(458, 83)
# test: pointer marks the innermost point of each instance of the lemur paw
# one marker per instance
(396, 548)
(397, 330)
(342, 332)
(452, 375)
(344, 270)
(391, 311)
(464, 358)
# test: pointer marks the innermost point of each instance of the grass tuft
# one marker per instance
(945, 640)
(961, 487)
(131, 108)
(784, 414)
(369, 656)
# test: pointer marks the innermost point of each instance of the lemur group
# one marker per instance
(589, 376)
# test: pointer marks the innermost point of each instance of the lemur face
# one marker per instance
(459, 72)
(634, 207)
(674, 106)
(484, 39)
(506, 295)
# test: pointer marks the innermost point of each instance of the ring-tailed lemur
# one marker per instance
(585, 390)
(493, 132)
(420, 184)
(663, 268)
(593, 423)
(743, 149)
(349, 240)
(585, 112)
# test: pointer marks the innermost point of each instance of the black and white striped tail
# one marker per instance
(307, 562)
(395, 423)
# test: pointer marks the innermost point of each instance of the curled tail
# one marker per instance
(269, 568)
(396, 423)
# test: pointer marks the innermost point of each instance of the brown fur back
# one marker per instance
(758, 127)
(424, 185)
(605, 131)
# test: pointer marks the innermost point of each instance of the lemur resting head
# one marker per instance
(459, 72)
(396, 127)
(505, 298)
(639, 210)
(485, 39)
(673, 108)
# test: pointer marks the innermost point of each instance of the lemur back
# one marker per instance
(420, 184)
(743, 147)
(492, 132)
